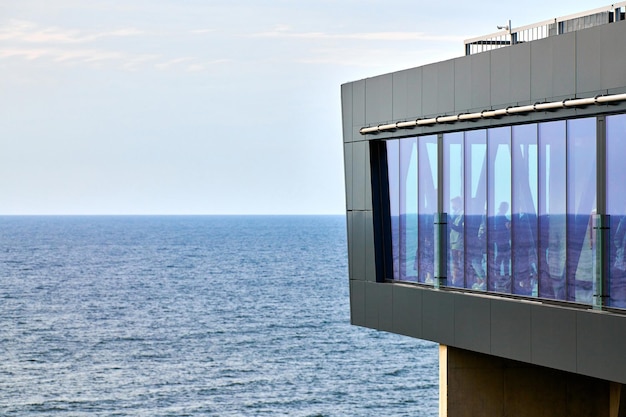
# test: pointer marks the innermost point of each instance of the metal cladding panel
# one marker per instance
(472, 328)
(438, 88)
(438, 317)
(379, 99)
(347, 160)
(520, 74)
(358, 104)
(357, 303)
(370, 257)
(350, 228)
(378, 306)
(613, 64)
(414, 87)
(400, 95)
(463, 83)
(481, 82)
(601, 345)
(357, 246)
(588, 65)
(407, 311)
(510, 330)
(500, 76)
(346, 111)
(368, 178)
(553, 337)
(360, 166)
(445, 80)
(430, 74)
(385, 309)
(563, 66)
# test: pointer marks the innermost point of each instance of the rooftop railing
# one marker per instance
(571, 23)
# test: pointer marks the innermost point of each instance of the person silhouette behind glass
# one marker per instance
(456, 224)
(501, 239)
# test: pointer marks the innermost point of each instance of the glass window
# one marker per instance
(552, 209)
(524, 193)
(581, 204)
(427, 206)
(454, 205)
(475, 209)
(616, 207)
(408, 209)
(498, 210)
(393, 167)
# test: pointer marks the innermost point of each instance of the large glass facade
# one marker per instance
(521, 204)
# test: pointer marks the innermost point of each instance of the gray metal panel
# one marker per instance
(370, 257)
(520, 73)
(407, 94)
(347, 160)
(438, 317)
(368, 179)
(378, 306)
(346, 111)
(500, 76)
(472, 323)
(563, 65)
(414, 87)
(359, 178)
(400, 95)
(463, 84)
(445, 90)
(430, 76)
(613, 55)
(553, 337)
(350, 228)
(357, 303)
(371, 305)
(510, 329)
(358, 104)
(601, 342)
(541, 66)
(385, 307)
(358, 244)
(407, 310)
(481, 81)
(378, 99)
(588, 65)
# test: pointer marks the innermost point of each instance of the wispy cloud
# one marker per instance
(284, 31)
(30, 41)
(29, 32)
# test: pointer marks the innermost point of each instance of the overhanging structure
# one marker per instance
(486, 207)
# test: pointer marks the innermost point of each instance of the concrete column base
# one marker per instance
(475, 384)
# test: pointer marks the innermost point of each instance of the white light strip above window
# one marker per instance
(485, 114)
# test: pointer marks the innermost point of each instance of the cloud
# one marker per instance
(30, 32)
(284, 31)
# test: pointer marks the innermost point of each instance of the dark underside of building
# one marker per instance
(486, 208)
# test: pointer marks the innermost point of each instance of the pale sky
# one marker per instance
(205, 106)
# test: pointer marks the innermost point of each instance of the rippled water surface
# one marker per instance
(194, 316)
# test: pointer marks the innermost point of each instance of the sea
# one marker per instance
(194, 316)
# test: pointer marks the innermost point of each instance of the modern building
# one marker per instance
(486, 208)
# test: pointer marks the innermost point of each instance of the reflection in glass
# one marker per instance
(616, 207)
(393, 167)
(475, 206)
(524, 207)
(408, 209)
(581, 205)
(552, 209)
(499, 221)
(453, 205)
(427, 207)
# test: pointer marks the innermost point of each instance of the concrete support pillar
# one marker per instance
(474, 384)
